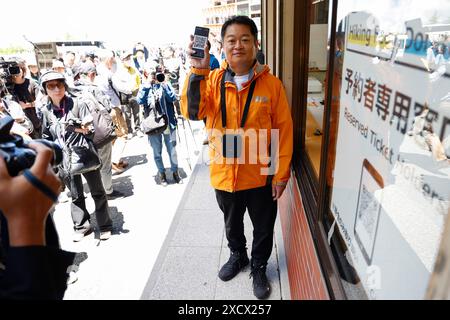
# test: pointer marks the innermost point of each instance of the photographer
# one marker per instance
(127, 81)
(25, 91)
(140, 57)
(34, 270)
(59, 120)
(156, 93)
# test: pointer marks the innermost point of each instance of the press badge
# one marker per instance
(231, 145)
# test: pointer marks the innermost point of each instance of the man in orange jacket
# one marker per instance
(250, 135)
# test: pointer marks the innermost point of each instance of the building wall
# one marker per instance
(305, 277)
(219, 11)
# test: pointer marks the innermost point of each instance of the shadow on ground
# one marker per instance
(135, 160)
(117, 223)
(169, 176)
(80, 257)
(124, 185)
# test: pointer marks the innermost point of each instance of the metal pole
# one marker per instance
(188, 158)
(196, 151)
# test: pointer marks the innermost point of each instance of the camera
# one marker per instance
(16, 153)
(159, 73)
(160, 77)
(7, 70)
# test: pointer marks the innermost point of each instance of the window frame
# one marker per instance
(314, 190)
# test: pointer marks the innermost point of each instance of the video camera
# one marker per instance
(7, 70)
(16, 152)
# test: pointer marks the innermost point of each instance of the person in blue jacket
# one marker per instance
(213, 62)
(155, 92)
(140, 56)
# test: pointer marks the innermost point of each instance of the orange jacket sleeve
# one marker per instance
(195, 102)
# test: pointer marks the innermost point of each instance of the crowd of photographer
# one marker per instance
(88, 106)
(90, 110)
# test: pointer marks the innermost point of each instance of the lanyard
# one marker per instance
(224, 106)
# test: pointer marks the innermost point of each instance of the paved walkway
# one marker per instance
(196, 248)
(120, 267)
(168, 242)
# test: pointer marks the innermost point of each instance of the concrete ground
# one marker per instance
(196, 248)
(168, 242)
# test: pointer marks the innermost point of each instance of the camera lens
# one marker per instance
(13, 70)
(160, 77)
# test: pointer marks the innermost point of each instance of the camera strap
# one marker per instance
(38, 184)
(224, 106)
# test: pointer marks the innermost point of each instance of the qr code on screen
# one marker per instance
(368, 210)
(199, 42)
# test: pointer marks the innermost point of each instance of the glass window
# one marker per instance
(316, 81)
(390, 179)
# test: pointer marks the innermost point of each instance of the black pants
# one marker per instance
(263, 212)
(132, 109)
(80, 215)
(37, 124)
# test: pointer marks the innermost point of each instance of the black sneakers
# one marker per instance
(177, 178)
(79, 235)
(261, 287)
(237, 262)
(162, 179)
(115, 195)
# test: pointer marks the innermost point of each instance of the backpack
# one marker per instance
(105, 130)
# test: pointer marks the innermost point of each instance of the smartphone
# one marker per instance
(368, 209)
(200, 38)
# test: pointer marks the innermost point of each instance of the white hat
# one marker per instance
(150, 66)
(31, 60)
(126, 54)
(57, 64)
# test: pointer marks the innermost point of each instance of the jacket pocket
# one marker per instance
(264, 116)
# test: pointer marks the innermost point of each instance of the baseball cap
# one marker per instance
(139, 47)
(126, 55)
(150, 66)
(84, 68)
(57, 64)
(51, 75)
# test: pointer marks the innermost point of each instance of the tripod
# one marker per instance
(188, 157)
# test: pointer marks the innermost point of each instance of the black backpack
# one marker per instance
(105, 130)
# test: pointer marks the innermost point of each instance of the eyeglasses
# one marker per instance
(53, 86)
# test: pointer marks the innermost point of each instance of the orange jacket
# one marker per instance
(268, 110)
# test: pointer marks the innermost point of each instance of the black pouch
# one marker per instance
(232, 145)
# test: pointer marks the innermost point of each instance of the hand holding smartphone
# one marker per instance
(199, 58)
(200, 38)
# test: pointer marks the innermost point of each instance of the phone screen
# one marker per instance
(200, 38)
(368, 209)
